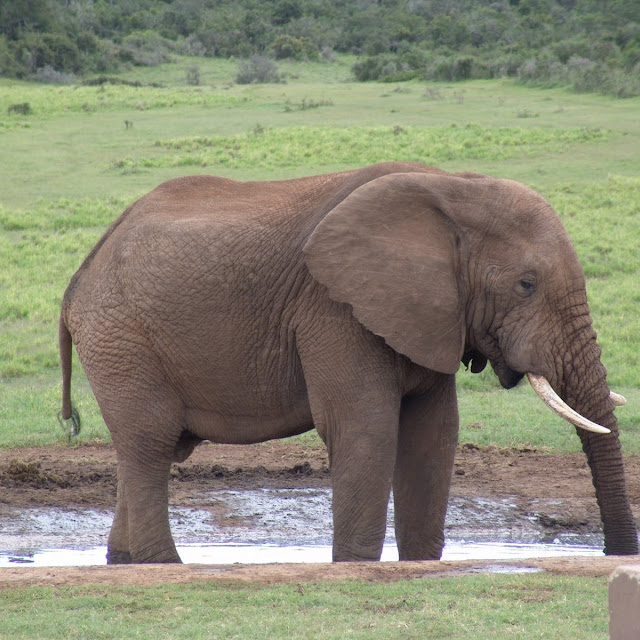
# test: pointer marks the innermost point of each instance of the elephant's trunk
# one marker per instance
(591, 397)
(605, 459)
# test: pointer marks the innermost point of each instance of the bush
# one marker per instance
(193, 75)
(191, 46)
(285, 46)
(22, 108)
(450, 69)
(38, 50)
(49, 75)
(145, 48)
(582, 74)
(507, 65)
(600, 78)
(258, 70)
(385, 67)
(328, 54)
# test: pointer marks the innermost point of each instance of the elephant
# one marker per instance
(238, 312)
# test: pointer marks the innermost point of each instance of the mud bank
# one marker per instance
(277, 495)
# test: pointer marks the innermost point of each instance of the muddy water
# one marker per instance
(277, 525)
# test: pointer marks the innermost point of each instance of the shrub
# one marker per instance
(22, 108)
(191, 46)
(193, 75)
(35, 50)
(98, 81)
(377, 67)
(328, 54)
(286, 46)
(450, 69)
(582, 74)
(258, 70)
(145, 48)
(49, 75)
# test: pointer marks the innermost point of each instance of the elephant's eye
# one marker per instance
(527, 287)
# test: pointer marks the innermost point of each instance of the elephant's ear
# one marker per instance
(390, 251)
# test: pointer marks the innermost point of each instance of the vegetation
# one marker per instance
(78, 155)
(74, 156)
(522, 606)
(587, 44)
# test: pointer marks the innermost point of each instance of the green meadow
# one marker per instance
(452, 608)
(83, 153)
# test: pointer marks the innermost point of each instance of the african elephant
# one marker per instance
(238, 312)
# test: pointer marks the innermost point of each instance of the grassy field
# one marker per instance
(522, 606)
(72, 165)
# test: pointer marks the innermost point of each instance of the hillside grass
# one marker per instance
(71, 166)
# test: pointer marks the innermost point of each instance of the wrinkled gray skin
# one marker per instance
(240, 312)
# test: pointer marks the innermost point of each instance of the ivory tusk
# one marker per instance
(544, 390)
(617, 399)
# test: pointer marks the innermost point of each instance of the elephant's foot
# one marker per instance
(167, 556)
(347, 554)
(125, 557)
(118, 557)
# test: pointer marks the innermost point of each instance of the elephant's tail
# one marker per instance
(68, 413)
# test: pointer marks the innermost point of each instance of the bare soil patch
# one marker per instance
(85, 476)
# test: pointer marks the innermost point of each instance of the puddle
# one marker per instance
(277, 525)
(266, 554)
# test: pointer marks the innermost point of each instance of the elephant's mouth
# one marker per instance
(508, 377)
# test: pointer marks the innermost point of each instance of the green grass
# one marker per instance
(317, 147)
(71, 166)
(521, 606)
(47, 102)
(517, 418)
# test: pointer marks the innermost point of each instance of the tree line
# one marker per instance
(593, 45)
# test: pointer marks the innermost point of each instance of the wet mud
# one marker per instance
(277, 495)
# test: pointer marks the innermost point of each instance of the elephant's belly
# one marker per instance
(250, 428)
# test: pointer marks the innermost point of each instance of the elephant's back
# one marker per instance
(202, 225)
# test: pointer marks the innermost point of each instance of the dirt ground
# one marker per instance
(85, 476)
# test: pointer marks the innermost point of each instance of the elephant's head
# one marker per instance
(465, 267)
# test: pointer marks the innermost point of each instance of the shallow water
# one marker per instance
(277, 525)
(231, 553)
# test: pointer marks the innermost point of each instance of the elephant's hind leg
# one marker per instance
(147, 518)
(146, 423)
(118, 545)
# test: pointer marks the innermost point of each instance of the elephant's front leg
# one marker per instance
(427, 442)
(361, 439)
(361, 474)
(354, 395)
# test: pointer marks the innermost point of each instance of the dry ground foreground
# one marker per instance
(85, 476)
